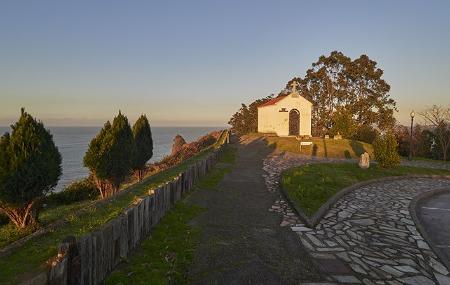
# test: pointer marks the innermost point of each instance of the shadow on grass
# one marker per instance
(357, 147)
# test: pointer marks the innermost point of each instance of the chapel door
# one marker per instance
(294, 122)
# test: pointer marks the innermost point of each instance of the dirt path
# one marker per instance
(242, 241)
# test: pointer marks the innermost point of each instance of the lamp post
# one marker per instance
(411, 135)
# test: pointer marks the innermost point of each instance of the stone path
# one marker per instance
(368, 236)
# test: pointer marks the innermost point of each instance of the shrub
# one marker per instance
(30, 166)
(385, 150)
(77, 191)
(110, 155)
(144, 145)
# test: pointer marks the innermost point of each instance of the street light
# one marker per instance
(411, 135)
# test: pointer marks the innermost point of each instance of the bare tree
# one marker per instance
(439, 118)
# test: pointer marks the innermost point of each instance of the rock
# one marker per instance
(364, 160)
(178, 143)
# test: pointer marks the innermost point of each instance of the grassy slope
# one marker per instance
(321, 147)
(35, 252)
(165, 257)
(312, 185)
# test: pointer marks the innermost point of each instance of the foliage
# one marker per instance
(110, 155)
(30, 166)
(366, 134)
(439, 118)
(343, 123)
(77, 191)
(385, 150)
(310, 186)
(245, 120)
(186, 151)
(336, 81)
(144, 145)
(34, 253)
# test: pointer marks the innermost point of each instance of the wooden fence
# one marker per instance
(90, 258)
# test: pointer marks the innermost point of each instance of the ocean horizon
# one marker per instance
(73, 142)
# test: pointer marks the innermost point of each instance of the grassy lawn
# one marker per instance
(165, 257)
(312, 185)
(31, 257)
(328, 148)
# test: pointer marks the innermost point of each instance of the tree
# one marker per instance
(439, 118)
(385, 150)
(336, 81)
(245, 120)
(30, 166)
(110, 155)
(144, 145)
(343, 123)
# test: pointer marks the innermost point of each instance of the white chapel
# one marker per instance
(286, 115)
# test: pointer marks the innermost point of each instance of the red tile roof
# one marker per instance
(273, 101)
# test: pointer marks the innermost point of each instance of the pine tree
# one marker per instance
(110, 155)
(144, 145)
(30, 166)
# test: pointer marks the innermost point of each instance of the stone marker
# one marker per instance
(326, 136)
(337, 137)
(364, 160)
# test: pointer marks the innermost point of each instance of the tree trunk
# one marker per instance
(23, 217)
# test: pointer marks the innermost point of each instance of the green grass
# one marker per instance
(31, 257)
(310, 186)
(227, 158)
(164, 257)
(10, 233)
(328, 148)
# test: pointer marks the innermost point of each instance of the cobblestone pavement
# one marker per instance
(368, 236)
(426, 163)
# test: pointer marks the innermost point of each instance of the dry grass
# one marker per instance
(328, 148)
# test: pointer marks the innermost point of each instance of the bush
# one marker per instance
(77, 191)
(385, 150)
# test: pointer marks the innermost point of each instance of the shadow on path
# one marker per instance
(242, 242)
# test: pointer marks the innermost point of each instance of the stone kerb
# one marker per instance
(89, 259)
(313, 221)
(414, 208)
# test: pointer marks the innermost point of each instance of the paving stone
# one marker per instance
(346, 279)
(417, 280)
(369, 228)
(442, 279)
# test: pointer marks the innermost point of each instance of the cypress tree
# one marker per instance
(144, 145)
(30, 166)
(110, 155)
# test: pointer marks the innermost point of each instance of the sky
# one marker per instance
(192, 63)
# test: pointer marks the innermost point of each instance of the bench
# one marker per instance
(305, 144)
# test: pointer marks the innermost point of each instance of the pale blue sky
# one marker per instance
(194, 62)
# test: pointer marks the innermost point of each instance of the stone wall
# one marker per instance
(90, 258)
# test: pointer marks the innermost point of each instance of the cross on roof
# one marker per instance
(294, 85)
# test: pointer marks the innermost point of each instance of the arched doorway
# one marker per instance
(294, 122)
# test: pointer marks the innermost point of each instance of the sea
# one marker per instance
(73, 142)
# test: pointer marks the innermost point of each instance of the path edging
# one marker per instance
(414, 207)
(312, 221)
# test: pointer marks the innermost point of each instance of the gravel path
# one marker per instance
(368, 236)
